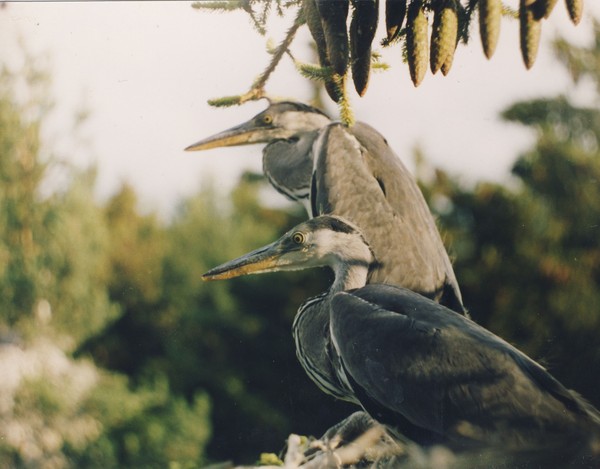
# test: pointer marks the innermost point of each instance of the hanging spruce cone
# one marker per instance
(333, 18)
(417, 47)
(395, 11)
(575, 9)
(447, 65)
(443, 34)
(313, 21)
(490, 15)
(327, 21)
(530, 32)
(543, 8)
(362, 32)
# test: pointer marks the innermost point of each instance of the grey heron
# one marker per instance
(352, 172)
(411, 363)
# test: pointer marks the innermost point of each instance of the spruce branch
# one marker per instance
(314, 72)
(258, 25)
(345, 108)
(280, 51)
(265, 12)
(327, 76)
(225, 101)
(218, 6)
(380, 66)
(510, 13)
(257, 90)
(377, 64)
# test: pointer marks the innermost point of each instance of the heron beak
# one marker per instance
(242, 134)
(265, 259)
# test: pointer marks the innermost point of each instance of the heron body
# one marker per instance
(410, 362)
(445, 373)
(353, 173)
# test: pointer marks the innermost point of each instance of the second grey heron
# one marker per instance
(352, 172)
(413, 364)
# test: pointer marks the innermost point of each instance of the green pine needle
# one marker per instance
(225, 101)
(376, 64)
(271, 46)
(346, 113)
(314, 72)
(219, 6)
(509, 12)
(380, 66)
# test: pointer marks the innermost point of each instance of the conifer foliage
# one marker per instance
(428, 32)
(59, 409)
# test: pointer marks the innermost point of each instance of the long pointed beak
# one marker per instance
(241, 134)
(265, 259)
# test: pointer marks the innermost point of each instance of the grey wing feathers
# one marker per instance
(363, 333)
(447, 374)
(358, 177)
(405, 198)
(548, 383)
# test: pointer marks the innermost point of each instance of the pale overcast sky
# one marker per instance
(146, 69)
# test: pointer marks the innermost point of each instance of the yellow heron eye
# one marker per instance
(267, 119)
(298, 237)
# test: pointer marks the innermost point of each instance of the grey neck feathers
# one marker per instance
(349, 275)
(288, 164)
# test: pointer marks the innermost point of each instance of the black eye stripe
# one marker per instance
(331, 223)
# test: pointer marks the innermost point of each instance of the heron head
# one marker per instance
(280, 120)
(321, 241)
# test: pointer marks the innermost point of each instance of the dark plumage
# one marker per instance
(410, 358)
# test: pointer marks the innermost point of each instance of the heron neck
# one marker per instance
(349, 276)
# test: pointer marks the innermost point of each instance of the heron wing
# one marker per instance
(385, 356)
(358, 177)
(408, 356)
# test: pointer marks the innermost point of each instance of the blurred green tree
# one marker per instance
(137, 249)
(56, 265)
(43, 277)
